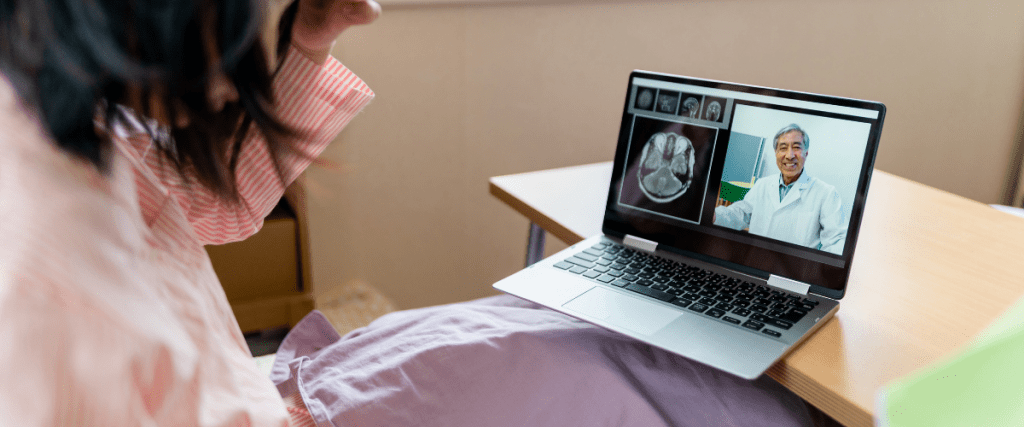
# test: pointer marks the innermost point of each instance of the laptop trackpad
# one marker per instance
(625, 311)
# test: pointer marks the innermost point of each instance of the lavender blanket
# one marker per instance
(500, 361)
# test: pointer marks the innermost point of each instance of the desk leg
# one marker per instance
(535, 245)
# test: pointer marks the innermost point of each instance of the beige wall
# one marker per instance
(472, 91)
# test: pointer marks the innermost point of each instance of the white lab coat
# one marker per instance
(811, 214)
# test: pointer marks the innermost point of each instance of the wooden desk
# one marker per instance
(931, 270)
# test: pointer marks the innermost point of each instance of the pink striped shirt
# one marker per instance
(110, 312)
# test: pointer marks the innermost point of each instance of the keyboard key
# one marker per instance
(752, 325)
(682, 302)
(629, 277)
(732, 320)
(600, 245)
(604, 278)
(603, 261)
(714, 312)
(741, 311)
(644, 282)
(660, 287)
(586, 256)
(592, 274)
(601, 269)
(650, 292)
(577, 269)
(778, 323)
(793, 315)
(593, 252)
(563, 265)
(698, 307)
(775, 334)
(708, 301)
(621, 283)
(724, 306)
(581, 262)
(615, 273)
(758, 308)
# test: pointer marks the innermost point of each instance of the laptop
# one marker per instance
(731, 223)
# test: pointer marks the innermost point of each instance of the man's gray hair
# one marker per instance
(788, 129)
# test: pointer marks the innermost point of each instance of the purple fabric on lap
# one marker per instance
(502, 361)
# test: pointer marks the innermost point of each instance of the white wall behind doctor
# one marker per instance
(835, 154)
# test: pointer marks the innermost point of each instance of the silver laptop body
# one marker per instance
(716, 244)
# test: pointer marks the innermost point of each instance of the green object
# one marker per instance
(731, 192)
(981, 386)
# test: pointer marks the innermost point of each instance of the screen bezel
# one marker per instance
(827, 277)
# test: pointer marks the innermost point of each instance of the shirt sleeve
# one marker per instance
(833, 225)
(737, 215)
(315, 100)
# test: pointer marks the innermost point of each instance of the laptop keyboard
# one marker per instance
(757, 308)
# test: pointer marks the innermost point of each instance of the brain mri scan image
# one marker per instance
(667, 104)
(690, 107)
(666, 170)
(714, 111)
(645, 99)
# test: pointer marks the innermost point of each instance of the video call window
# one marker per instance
(798, 186)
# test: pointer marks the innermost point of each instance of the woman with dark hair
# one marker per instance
(132, 133)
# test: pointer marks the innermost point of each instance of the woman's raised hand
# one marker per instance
(319, 22)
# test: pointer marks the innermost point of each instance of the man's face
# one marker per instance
(790, 155)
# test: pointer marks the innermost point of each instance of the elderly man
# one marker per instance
(792, 206)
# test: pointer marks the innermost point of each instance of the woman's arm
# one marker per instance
(315, 100)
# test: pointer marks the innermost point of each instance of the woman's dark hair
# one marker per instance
(76, 61)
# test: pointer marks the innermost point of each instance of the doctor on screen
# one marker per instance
(792, 207)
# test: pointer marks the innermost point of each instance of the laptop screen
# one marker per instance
(764, 180)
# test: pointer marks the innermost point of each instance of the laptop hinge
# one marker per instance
(638, 243)
(791, 285)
